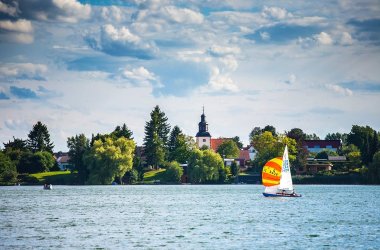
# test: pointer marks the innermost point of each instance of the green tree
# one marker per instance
(236, 139)
(14, 149)
(206, 166)
(156, 138)
(180, 147)
(255, 131)
(122, 131)
(354, 159)
(365, 139)
(374, 169)
(42, 161)
(312, 137)
(337, 136)
(269, 146)
(228, 149)
(324, 154)
(8, 171)
(39, 139)
(174, 172)
(109, 160)
(299, 136)
(78, 146)
(235, 169)
(271, 129)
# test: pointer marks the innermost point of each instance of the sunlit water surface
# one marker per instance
(189, 217)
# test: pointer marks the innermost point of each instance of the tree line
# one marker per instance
(105, 158)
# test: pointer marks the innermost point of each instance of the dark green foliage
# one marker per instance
(235, 169)
(337, 136)
(312, 137)
(156, 138)
(16, 144)
(35, 163)
(255, 131)
(122, 131)
(131, 176)
(374, 169)
(8, 171)
(228, 149)
(173, 172)
(78, 146)
(139, 167)
(325, 154)
(39, 139)
(366, 139)
(271, 129)
(180, 146)
(236, 139)
(297, 134)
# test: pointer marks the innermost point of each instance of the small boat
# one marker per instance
(277, 178)
(48, 187)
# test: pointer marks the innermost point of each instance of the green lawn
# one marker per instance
(154, 175)
(54, 177)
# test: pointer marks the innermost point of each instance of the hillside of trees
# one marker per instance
(114, 157)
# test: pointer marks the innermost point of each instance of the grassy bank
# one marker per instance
(54, 177)
(155, 176)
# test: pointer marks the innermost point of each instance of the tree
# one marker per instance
(269, 146)
(8, 171)
(271, 129)
(39, 138)
(325, 154)
(312, 137)
(42, 161)
(109, 160)
(122, 131)
(374, 169)
(364, 139)
(78, 146)
(228, 149)
(337, 136)
(236, 139)
(235, 169)
(206, 167)
(180, 146)
(299, 136)
(156, 137)
(255, 131)
(174, 172)
(16, 144)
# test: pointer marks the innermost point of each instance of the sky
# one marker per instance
(88, 66)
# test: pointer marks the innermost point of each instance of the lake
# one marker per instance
(189, 217)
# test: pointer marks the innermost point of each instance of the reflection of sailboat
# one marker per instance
(277, 178)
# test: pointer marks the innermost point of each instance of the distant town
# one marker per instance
(168, 156)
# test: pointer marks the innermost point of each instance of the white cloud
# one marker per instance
(139, 76)
(340, 90)
(72, 11)
(112, 13)
(20, 31)
(275, 12)
(23, 70)
(122, 42)
(182, 15)
(323, 38)
(21, 25)
(265, 36)
(8, 9)
(218, 51)
(346, 39)
(219, 82)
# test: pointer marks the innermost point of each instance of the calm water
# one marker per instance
(189, 217)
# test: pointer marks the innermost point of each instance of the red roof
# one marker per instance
(215, 143)
(244, 154)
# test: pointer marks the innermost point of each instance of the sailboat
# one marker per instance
(277, 177)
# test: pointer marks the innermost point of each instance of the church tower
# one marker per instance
(203, 136)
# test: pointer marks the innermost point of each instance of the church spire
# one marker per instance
(203, 125)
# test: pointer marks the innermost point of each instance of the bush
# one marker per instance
(173, 172)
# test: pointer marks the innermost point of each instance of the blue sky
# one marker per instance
(88, 66)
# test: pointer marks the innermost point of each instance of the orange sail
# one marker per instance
(272, 172)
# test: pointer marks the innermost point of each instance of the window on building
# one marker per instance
(204, 140)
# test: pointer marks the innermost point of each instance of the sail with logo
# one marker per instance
(277, 178)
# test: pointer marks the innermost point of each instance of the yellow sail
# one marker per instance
(272, 172)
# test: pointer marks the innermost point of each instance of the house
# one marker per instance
(316, 146)
(63, 161)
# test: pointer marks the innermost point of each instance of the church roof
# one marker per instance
(203, 134)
